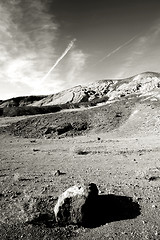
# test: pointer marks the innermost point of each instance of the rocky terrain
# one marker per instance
(114, 144)
(142, 85)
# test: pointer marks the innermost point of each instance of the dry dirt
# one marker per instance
(128, 167)
(122, 157)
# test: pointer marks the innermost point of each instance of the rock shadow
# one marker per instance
(96, 212)
(110, 208)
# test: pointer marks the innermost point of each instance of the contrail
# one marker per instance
(45, 27)
(116, 50)
(60, 58)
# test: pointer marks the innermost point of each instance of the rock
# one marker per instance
(57, 173)
(36, 150)
(75, 205)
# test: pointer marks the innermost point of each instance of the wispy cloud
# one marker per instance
(29, 38)
(156, 28)
(137, 50)
(142, 53)
(27, 41)
(116, 50)
(76, 64)
(71, 44)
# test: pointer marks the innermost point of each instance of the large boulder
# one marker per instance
(76, 204)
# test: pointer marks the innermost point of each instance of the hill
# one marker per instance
(127, 106)
(142, 85)
(20, 101)
(127, 117)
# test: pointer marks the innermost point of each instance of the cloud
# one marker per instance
(76, 64)
(115, 50)
(71, 44)
(28, 36)
(68, 72)
(29, 46)
(136, 51)
(156, 28)
(144, 53)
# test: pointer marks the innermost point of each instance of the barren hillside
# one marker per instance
(127, 106)
(142, 85)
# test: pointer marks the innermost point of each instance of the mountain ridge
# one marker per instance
(140, 84)
(145, 84)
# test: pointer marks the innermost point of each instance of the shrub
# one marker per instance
(1, 111)
(28, 110)
(81, 151)
(79, 126)
(64, 128)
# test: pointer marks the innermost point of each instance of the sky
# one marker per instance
(47, 46)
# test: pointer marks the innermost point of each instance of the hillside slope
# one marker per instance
(128, 117)
(131, 107)
(71, 123)
(143, 121)
(144, 84)
(20, 101)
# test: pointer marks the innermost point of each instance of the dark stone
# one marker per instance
(73, 206)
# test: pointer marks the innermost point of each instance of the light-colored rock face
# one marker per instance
(78, 94)
(72, 95)
(73, 205)
(141, 85)
(69, 193)
(144, 84)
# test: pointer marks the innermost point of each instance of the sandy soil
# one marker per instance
(128, 167)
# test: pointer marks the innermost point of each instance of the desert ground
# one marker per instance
(122, 167)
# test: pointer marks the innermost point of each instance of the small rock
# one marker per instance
(101, 191)
(58, 173)
(154, 206)
(35, 150)
(156, 233)
(75, 205)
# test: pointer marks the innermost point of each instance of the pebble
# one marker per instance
(35, 150)
(154, 206)
(57, 173)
